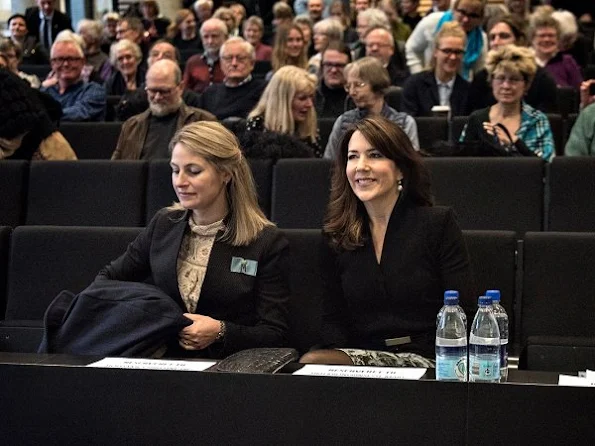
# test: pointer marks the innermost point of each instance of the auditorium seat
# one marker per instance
(87, 193)
(41, 71)
(262, 171)
(571, 194)
(45, 260)
(558, 299)
(261, 68)
(457, 124)
(393, 97)
(430, 129)
(568, 124)
(568, 100)
(112, 103)
(492, 255)
(5, 232)
(92, 140)
(13, 184)
(491, 193)
(557, 126)
(300, 192)
(305, 308)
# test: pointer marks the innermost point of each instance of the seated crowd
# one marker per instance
(390, 253)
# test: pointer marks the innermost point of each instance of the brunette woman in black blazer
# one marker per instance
(213, 252)
(391, 254)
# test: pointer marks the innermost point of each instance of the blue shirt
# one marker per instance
(83, 101)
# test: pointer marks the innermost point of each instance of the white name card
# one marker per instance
(361, 372)
(152, 364)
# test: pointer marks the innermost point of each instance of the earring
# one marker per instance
(400, 184)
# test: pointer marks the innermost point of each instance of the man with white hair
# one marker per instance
(80, 100)
(204, 69)
(239, 93)
(147, 135)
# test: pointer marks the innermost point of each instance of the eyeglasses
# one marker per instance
(452, 52)
(240, 59)
(331, 65)
(63, 60)
(162, 91)
(502, 36)
(512, 80)
(355, 85)
(469, 15)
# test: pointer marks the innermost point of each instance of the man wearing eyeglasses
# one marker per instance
(80, 100)
(380, 44)
(330, 94)
(239, 92)
(146, 136)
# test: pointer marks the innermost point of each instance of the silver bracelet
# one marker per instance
(221, 334)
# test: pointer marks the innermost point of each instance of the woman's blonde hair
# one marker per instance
(512, 59)
(275, 103)
(280, 57)
(218, 146)
(449, 29)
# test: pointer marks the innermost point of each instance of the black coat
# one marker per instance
(60, 22)
(420, 94)
(254, 308)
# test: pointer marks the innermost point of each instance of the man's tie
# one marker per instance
(47, 33)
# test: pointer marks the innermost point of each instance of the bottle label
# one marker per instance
(484, 369)
(451, 369)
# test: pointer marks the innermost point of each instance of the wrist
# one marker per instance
(221, 333)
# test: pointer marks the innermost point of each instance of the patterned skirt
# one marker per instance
(387, 359)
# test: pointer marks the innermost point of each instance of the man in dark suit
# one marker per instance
(45, 22)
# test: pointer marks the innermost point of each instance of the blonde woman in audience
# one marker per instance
(253, 30)
(287, 106)
(214, 252)
(126, 56)
(307, 26)
(325, 32)
(511, 126)
(183, 32)
(289, 49)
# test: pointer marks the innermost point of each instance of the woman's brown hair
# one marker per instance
(346, 214)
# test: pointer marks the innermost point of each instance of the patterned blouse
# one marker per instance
(193, 259)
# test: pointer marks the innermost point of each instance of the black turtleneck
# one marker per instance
(330, 102)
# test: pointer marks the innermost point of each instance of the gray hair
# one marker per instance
(93, 27)
(124, 45)
(68, 36)
(220, 24)
(246, 46)
(376, 18)
(331, 27)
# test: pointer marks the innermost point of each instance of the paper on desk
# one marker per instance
(361, 372)
(152, 364)
(575, 381)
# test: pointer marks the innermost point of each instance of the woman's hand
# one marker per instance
(586, 97)
(494, 130)
(200, 334)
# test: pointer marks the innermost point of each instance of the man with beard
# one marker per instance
(147, 135)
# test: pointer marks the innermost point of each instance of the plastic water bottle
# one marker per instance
(484, 344)
(451, 342)
(502, 319)
(452, 293)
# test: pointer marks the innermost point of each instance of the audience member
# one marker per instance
(204, 69)
(470, 14)
(391, 254)
(361, 5)
(155, 24)
(401, 31)
(440, 5)
(253, 30)
(289, 49)
(132, 28)
(441, 85)
(330, 93)
(367, 20)
(183, 32)
(410, 13)
(545, 35)
(339, 10)
(126, 57)
(12, 54)
(91, 31)
(27, 132)
(581, 141)
(45, 22)
(572, 42)
(226, 16)
(511, 127)
(147, 135)
(381, 45)
(542, 93)
(239, 93)
(196, 248)
(325, 32)
(287, 106)
(307, 26)
(33, 53)
(315, 10)
(203, 10)
(282, 15)
(366, 82)
(80, 100)
(110, 22)
(239, 13)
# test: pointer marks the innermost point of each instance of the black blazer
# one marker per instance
(254, 308)
(60, 22)
(420, 94)
(423, 255)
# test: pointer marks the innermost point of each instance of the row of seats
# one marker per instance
(545, 280)
(517, 194)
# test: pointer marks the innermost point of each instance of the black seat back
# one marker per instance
(92, 140)
(13, 184)
(5, 233)
(430, 129)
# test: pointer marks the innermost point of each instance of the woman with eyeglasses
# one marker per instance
(126, 56)
(442, 84)
(391, 254)
(510, 127)
(469, 14)
(542, 94)
(366, 83)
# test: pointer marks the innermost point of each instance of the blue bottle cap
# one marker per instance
(494, 294)
(450, 296)
(485, 300)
